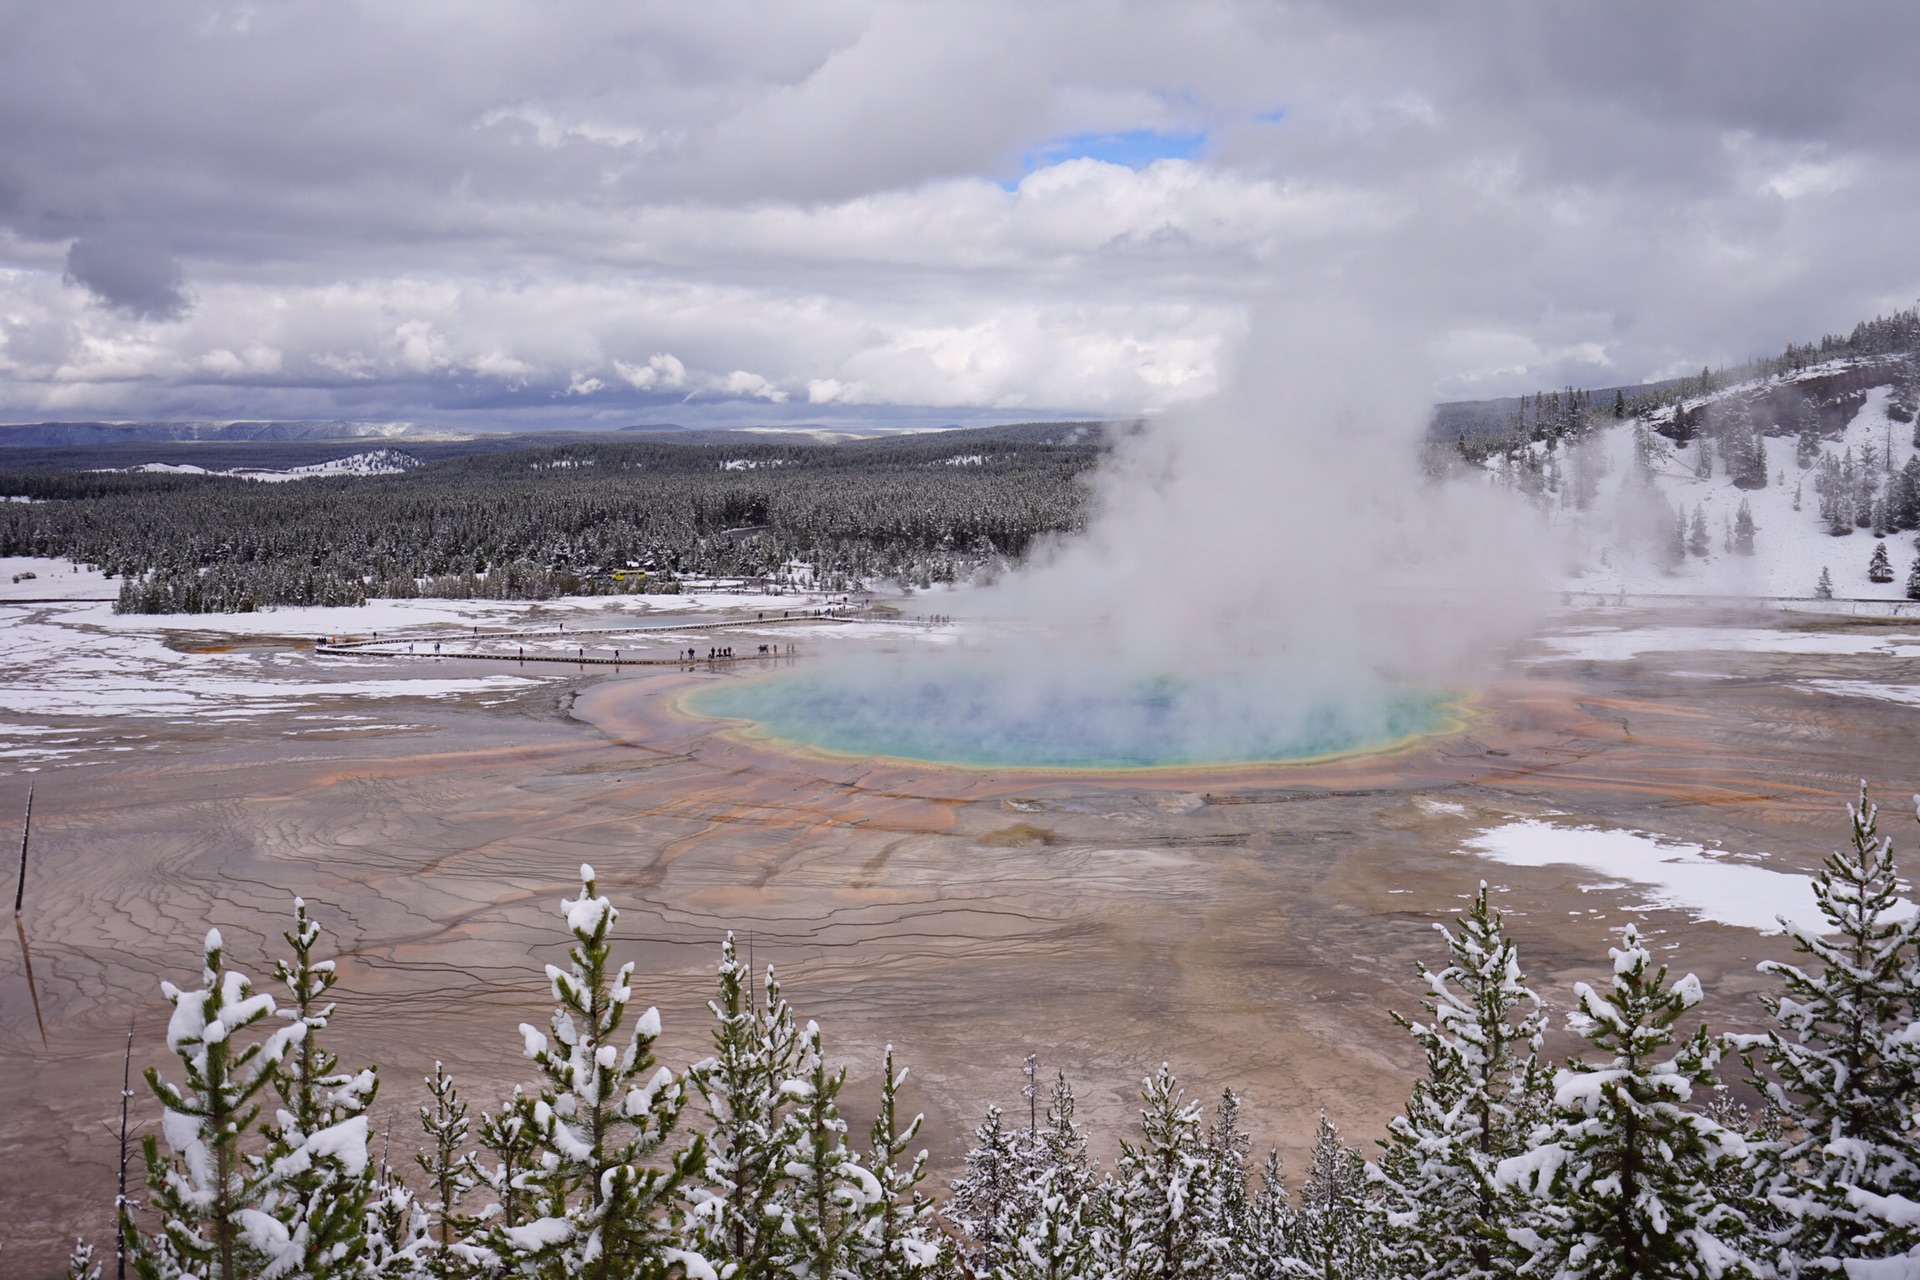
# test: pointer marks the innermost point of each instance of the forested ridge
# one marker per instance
(560, 519)
(1627, 1160)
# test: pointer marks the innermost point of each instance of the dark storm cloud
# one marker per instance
(798, 204)
(129, 273)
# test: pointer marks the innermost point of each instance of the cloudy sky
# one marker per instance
(617, 211)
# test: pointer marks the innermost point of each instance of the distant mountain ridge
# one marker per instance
(44, 434)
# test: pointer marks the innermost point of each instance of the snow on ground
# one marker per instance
(73, 664)
(63, 663)
(53, 579)
(1620, 644)
(1790, 547)
(1907, 695)
(573, 612)
(1686, 877)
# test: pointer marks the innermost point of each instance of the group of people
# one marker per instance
(725, 652)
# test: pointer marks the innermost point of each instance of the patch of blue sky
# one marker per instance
(1134, 148)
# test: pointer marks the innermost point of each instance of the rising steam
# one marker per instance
(1269, 576)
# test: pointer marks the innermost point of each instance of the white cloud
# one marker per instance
(662, 371)
(740, 383)
(813, 192)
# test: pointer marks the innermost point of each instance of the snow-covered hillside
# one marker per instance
(1621, 538)
(377, 462)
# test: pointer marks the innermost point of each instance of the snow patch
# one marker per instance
(1681, 876)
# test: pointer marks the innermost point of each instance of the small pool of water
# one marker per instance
(984, 717)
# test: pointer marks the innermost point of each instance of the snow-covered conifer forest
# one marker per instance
(1790, 477)
(603, 516)
(1657, 1149)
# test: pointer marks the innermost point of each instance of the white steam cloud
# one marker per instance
(1288, 525)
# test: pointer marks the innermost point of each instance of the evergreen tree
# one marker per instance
(512, 1173)
(318, 1166)
(1835, 488)
(610, 1189)
(1697, 540)
(1823, 589)
(1059, 1237)
(988, 1201)
(1879, 567)
(1807, 435)
(1643, 450)
(1061, 1145)
(1906, 496)
(1333, 1235)
(896, 1239)
(745, 1085)
(1673, 547)
(1913, 580)
(397, 1230)
(1059, 1240)
(1866, 478)
(80, 1263)
(831, 1193)
(1266, 1251)
(1442, 1211)
(207, 1195)
(451, 1171)
(1161, 1220)
(1227, 1214)
(1623, 1176)
(1840, 1067)
(1743, 529)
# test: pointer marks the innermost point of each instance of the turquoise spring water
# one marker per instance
(987, 717)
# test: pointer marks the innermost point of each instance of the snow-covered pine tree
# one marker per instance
(1835, 485)
(511, 1173)
(895, 1238)
(1866, 480)
(610, 1189)
(744, 1085)
(1228, 1211)
(1698, 543)
(1673, 547)
(830, 1192)
(1913, 580)
(80, 1263)
(1622, 1177)
(1161, 1227)
(1060, 1237)
(1806, 426)
(318, 1166)
(1839, 1068)
(988, 1202)
(1643, 450)
(1879, 567)
(1823, 589)
(1743, 529)
(1062, 1145)
(1906, 501)
(207, 1194)
(452, 1170)
(1266, 1251)
(1333, 1221)
(398, 1231)
(1441, 1212)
